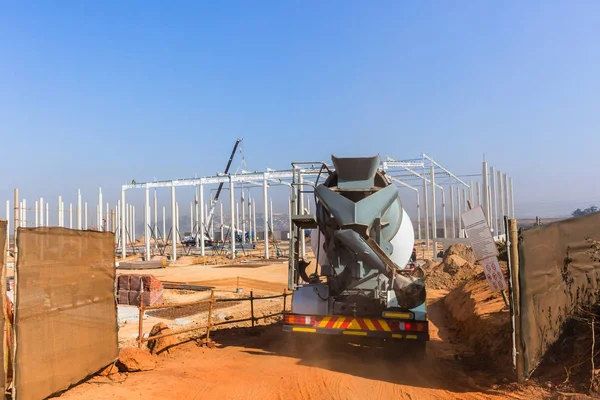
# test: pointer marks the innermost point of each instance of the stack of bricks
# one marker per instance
(133, 288)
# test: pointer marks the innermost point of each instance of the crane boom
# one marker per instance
(215, 200)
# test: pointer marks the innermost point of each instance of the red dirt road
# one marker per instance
(267, 365)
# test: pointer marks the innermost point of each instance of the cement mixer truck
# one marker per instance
(358, 285)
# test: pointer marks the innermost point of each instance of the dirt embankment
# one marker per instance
(481, 320)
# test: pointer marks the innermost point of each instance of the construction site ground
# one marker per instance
(265, 363)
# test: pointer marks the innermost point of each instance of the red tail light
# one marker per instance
(415, 326)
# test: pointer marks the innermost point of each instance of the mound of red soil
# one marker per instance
(132, 359)
(457, 267)
(482, 323)
(463, 251)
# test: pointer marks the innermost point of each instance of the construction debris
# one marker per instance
(150, 264)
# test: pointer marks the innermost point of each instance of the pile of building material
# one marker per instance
(135, 288)
(150, 264)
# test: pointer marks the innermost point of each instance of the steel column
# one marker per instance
(433, 210)
(460, 232)
(79, 210)
(173, 224)
(418, 215)
(452, 213)
(243, 217)
(426, 213)
(201, 222)
(444, 214)
(500, 203)
(232, 218)
(266, 217)
(484, 194)
(147, 224)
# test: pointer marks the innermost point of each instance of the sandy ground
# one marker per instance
(267, 364)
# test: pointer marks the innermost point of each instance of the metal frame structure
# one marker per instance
(432, 175)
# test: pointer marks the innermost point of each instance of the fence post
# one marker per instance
(252, 307)
(513, 256)
(284, 300)
(210, 310)
(141, 322)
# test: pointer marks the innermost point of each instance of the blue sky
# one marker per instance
(99, 93)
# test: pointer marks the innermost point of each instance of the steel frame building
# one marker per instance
(494, 193)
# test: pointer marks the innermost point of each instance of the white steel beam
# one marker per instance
(444, 215)
(266, 217)
(221, 222)
(500, 195)
(506, 197)
(164, 224)
(99, 209)
(452, 213)
(425, 156)
(42, 220)
(79, 211)
(493, 204)
(485, 194)
(177, 239)
(147, 224)
(173, 225)
(243, 217)
(123, 224)
(155, 225)
(232, 218)
(433, 210)
(202, 215)
(458, 204)
(254, 219)
(426, 213)
(250, 230)
(61, 221)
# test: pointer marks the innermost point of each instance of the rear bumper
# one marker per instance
(422, 336)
